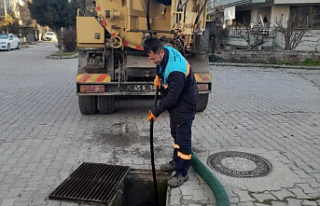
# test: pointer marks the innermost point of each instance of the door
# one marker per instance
(12, 42)
(16, 40)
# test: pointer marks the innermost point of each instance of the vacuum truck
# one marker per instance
(111, 61)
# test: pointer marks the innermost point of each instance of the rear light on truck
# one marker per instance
(92, 88)
(203, 87)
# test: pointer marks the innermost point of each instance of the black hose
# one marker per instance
(200, 12)
(152, 155)
(148, 16)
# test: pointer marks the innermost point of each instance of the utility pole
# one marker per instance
(5, 11)
(5, 7)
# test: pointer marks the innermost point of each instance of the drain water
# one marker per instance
(239, 164)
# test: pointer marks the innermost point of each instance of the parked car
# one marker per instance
(9, 41)
(49, 36)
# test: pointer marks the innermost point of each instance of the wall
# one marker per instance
(310, 41)
(216, 3)
(256, 12)
(269, 57)
(277, 11)
(296, 1)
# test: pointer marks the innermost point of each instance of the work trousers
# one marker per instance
(181, 134)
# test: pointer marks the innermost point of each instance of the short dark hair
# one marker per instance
(152, 44)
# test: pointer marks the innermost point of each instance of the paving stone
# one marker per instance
(244, 196)
(246, 204)
(7, 202)
(309, 203)
(198, 195)
(307, 188)
(282, 194)
(263, 197)
(175, 196)
(275, 203)
(299, 193)
(294, 202)
(187, 197)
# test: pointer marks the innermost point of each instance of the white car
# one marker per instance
(49, 36)
(9, 41)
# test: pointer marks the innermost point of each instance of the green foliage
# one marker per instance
(54, 13)
(221, 37)
(69, 40)
(214, 58)
(307, 62)
(310, 62)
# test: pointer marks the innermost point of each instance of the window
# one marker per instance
(3, 36)
(243, 18)
(316, 17)
(307, 15)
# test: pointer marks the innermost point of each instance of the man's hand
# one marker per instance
(151, 117)
(157, 82)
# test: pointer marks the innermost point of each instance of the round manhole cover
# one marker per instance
(239, 164)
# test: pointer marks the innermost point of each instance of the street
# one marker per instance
(44, 138)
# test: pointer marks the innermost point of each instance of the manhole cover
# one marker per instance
(91, 182)
(239, 164)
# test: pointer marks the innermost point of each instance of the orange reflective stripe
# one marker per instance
(176, 146)
(184, 156)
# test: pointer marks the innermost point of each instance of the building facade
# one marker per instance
(239, 15)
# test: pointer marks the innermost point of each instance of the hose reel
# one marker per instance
(115, 42)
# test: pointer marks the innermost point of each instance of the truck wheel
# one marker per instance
(106, 104)
(203, 102)
(87, 104)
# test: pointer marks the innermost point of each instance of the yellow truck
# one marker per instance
(111, 62)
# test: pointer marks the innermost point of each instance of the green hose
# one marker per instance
(216, 187)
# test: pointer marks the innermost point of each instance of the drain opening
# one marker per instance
(137, 189)
(239, 164)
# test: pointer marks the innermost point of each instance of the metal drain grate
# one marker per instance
(91, 182)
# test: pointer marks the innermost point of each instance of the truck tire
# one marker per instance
(203, 102)
(87, 104)
(106, 104)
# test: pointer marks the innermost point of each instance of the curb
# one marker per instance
(63, 57)
(24, 46)
(265, 65)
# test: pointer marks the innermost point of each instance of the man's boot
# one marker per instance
(177, 180)
(168, 167)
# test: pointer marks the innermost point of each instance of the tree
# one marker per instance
(295, 30)
(25, 14)
(54, 13)
(255, 36)
(6, 21)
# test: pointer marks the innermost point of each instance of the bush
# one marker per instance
(69, 40)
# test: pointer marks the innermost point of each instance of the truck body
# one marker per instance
(111, 61)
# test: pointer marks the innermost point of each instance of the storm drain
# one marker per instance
(239, 164)
(91, 182)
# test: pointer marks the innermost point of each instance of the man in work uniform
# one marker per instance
(180, 96)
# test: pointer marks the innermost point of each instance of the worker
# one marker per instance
(180, 95)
